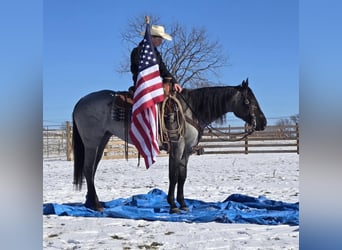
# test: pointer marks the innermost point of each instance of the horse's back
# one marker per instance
(94, 102)
(95, 97)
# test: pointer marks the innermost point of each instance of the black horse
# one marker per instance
(93, 125)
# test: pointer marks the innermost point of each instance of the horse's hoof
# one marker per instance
(175, 210)
(97, 208)
(186, 209)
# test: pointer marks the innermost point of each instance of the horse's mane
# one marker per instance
(209, 103)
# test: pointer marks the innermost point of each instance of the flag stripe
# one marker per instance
(148, 74)
(140, 131)
(146, 101)
(149, 92)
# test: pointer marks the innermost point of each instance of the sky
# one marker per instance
(82, 48)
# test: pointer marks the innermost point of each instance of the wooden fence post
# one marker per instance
(246, 140)
(69, 141)
(229, 132)
(297, 137)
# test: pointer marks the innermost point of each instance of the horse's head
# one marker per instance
(249, 110)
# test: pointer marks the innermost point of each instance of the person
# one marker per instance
(158, 35)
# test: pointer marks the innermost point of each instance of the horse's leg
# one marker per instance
(92, 198)
(100, 150)
(90, 165)
(175, 164)
(173, 177)
(181, 180)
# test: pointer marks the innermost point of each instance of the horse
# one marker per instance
(94, 124)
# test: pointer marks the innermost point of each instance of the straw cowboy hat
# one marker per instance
(157, 30)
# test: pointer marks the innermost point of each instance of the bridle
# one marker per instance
(251, 108)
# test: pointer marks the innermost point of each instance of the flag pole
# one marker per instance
(147, 19)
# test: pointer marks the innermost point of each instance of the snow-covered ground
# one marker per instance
(210, 178)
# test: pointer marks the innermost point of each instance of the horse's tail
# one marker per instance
(78, 150)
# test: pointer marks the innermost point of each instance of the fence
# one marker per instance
(57, 143)
(55, 140)
(275, 139)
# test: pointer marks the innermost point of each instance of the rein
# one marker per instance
(244, 134)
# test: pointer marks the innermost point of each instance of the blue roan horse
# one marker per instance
(94, 124)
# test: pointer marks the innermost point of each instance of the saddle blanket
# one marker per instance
(153, 206)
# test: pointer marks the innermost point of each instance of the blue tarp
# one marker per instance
(153, 206)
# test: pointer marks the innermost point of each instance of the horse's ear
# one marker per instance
(244, 83)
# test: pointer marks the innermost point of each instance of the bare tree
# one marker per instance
(292, 120)
(191, 57)
(284, 130)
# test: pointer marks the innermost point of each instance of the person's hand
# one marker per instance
(177, 87)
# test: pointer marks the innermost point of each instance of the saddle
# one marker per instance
(124, 100)
(122, 106)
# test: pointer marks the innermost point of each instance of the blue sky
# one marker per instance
(82, 47)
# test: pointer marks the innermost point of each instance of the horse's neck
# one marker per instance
(214, 102)
(221, 101)
(230, 99)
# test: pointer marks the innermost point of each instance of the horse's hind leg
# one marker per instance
(90, 165)
(94, 157)
(100, 150)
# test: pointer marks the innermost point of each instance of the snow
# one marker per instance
(210, 178)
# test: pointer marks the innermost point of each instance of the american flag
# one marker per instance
(148, 93)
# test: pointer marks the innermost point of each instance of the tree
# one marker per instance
(191, 57)
(285, 131)
(292, 120)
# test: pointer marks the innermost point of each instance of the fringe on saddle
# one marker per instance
(122, 111)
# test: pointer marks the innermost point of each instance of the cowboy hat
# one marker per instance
(157, 30)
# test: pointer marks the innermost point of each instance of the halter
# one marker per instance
(251, 108)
